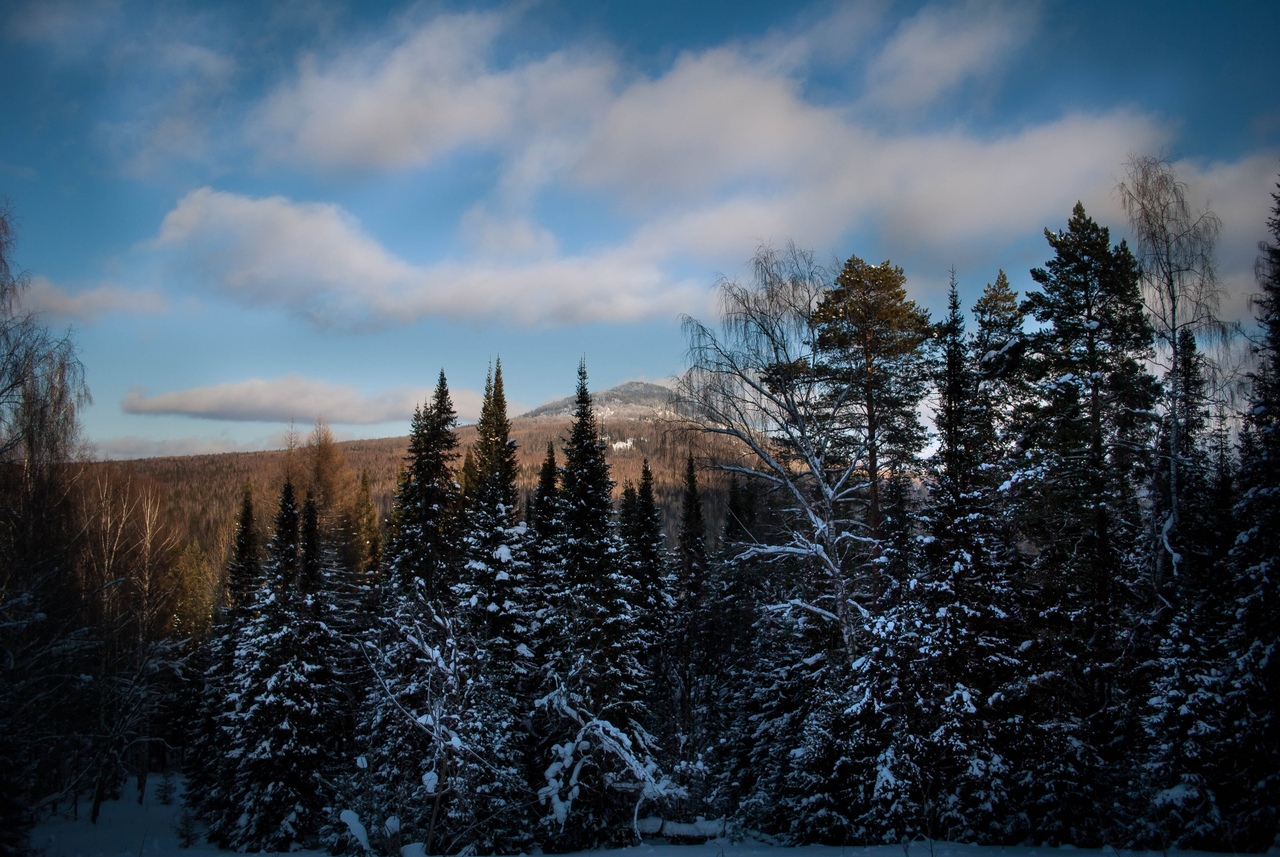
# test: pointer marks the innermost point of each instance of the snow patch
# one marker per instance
(352, 821)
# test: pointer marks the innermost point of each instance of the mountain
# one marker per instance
(638, 400)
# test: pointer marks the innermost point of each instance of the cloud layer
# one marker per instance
(314, 260)
(293, 397)
(45, 297)
(691, 166)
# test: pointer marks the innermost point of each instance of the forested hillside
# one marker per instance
(1005, 576)
(200, 494)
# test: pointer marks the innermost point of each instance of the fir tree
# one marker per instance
(494, 541)
(496, 627)
(640, 525)
(968, 660)
(688, 642)
(411, 724)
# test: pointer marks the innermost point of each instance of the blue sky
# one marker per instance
(249, 212)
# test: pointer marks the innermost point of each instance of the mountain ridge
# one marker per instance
(629, 400)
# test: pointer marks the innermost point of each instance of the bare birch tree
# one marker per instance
(754, 380)
(1181, 293)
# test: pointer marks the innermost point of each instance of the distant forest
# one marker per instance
(200, 494)
(1005, 576)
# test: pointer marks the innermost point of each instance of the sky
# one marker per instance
(250, 214)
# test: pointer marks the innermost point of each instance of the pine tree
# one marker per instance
(872, 340)
(874, 357)
(1085, 455)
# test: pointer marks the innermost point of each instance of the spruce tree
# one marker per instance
(283, 704)
(411, 724)
(1181, 720)
(645, 560)
(695, 675)
(495, 623)
(688, 641)
(424, 539)
(209, 773)
(968, 658)
(592, 710)
(494, 542)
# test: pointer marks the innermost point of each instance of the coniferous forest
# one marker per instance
(1005, 576)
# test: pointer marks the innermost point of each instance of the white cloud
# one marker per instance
(405, 102)
(314, 260)
(713, 118)
(294, 397)
(725, 149)
(1239, 192)
(311, 258)
(941, 48)
(88, 305)
(931, 196)
(498, 237)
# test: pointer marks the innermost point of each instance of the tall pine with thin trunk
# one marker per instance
(968, 658)
(1085, 444)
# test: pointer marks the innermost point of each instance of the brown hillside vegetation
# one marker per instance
(201, 494)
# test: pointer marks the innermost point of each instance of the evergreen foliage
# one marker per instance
(424, 527)
(990, 635)
(281, 703)
(592, 706)
(1085, 441)
(1251, 774)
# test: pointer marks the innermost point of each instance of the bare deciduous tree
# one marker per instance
(1181, 292)
(754, 381)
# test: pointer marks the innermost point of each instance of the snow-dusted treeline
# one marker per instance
(1050, 618)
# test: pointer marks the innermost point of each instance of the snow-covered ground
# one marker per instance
(126, 829)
